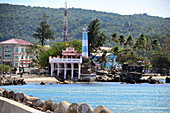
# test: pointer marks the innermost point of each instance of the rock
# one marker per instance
(49, 103)
(15, 97)
(21, 96)
(57, 110)
(1, 89)
(6, 93)
(11, 94)
(43, 83)
(1, 93)
(101, 109)
(67, 82)
(54, 106)
(38, 103)
(63, 106)
(85, 108)
(73, 108)
(48, 111)
(167, 80)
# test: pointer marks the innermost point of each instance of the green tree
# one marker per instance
(115, 38)
(155, 44)
(43, 32)
(95, 37)
(122, 40)
(130, 41)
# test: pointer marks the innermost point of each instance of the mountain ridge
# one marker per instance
(19, 21)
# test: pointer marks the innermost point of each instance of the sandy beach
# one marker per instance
(41, 79)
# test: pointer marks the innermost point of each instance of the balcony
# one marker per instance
(64, 60)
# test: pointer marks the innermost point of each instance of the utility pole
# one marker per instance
(65, 23)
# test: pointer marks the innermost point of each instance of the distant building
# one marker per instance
(110, 58)
(13, 53)
(69, 65)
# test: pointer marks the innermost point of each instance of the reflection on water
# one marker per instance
(114, 96)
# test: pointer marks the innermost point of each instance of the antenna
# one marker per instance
(65, 23)
(129, 25)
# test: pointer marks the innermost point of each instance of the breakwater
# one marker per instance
(46, 106)
(11, 81)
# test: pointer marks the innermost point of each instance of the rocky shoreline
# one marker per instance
(49, 106)
(11, 81)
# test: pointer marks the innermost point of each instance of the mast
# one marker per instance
(65, 23)
(129, 25)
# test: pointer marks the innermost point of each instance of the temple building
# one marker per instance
(13, 53)
(68, 66)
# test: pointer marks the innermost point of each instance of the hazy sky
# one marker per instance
(151, 7)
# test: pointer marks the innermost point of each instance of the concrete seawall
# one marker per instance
(10, 106)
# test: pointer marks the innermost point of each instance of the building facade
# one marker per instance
(13, 53)
(68, 66)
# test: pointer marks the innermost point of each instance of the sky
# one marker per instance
(159, 8)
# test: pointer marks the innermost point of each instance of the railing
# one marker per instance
(64, 60)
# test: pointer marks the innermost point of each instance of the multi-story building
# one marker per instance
(13, 53)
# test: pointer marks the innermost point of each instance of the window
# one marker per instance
(16, 57)
(0, 49)
(26, 57)
(16, 50)
(16, 64)
(22, 57)
(7, 49)
(7, 56)
(22, 50)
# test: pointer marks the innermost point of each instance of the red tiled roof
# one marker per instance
(16, 41)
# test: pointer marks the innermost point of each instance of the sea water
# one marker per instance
(119, 98)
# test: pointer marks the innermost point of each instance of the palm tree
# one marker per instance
(155, 44)
(122, 40)
(130, 41)
(114, 38)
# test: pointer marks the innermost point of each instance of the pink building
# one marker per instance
(13, 53)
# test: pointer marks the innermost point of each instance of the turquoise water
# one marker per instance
(119, 98)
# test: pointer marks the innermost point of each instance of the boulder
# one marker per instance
(15, 97)
(1, 89)
(38, 103)
(167, 80)
(11, 94)
(85, 108)
(73, 108)
(6, 93)
(57, 110)
(101, 109)
(54, 106)
(21, 96)
(63, 106)
(1, 93)
(49, 103)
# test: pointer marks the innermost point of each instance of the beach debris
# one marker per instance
(85, 108)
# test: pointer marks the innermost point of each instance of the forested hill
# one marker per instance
(21, 21)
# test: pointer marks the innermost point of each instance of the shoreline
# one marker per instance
(41, 79)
